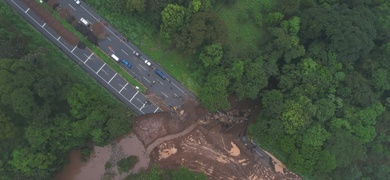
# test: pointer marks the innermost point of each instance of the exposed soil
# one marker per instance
(180, 138)
(98, 30)
(214, 151)
(46, 16)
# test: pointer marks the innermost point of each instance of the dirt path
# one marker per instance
(168, 138)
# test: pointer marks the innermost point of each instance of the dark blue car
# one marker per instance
(127, 63)
(161, 74)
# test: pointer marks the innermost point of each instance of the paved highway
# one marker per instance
(169, 90)
(87, 60)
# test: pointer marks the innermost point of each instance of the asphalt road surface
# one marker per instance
(87, 60)
(169, 90)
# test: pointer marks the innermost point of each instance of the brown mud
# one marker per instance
(179, 138)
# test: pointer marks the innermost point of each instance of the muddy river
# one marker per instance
(117, 150)
(94, 167)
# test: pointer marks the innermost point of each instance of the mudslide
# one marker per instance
(158, 141)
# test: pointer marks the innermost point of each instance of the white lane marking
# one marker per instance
(101, 68)
(123, 87)
(89, 13)
(88, 58)
(124, 52)
(108, 38)
(164, 94)
(133, 96)
(179, 88)
(81, 60)
(147, 80)
(43, 25)
(59, 38)
(105, 71)
(160, 82)
(27, 10)
(143, 105)
(139, 100)
(107, 28)
(112, 78)
(175, 95)
(155, 110)
(142, 67)
(73, 49)
(72, 7)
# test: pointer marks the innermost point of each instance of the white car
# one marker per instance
(137, 54)
(77, 2)
(148, 63)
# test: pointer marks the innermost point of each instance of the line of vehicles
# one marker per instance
(135, 53)
(147, 62)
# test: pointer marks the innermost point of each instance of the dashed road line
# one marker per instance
(105, 71)
(88, 58)
(164, 94)
(108, 38)
(73, 49)
(80, 59)
(112, 78)
(72, 7)
(179, 89)
(89, 13)
(156, 110)
(146, 79)
(160, 82)
(123, 87)
(133, 96)
(142, 67)
(124, 52)
(101, 68)
(58, 38)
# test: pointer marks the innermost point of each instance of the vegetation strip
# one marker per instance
(98, 52)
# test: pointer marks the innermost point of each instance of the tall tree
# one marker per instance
(172, 20)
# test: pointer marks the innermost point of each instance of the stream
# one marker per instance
(126, 146)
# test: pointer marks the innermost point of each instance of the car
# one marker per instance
(137, 54)
(113, 56)
(77, 2)
(126, 63)
(148, 63)
(161, 74)
(85, 22)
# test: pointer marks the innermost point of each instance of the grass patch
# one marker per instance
(124, 165)
(98, 52)
(245, 35)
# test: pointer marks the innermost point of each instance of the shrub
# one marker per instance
(124, 165)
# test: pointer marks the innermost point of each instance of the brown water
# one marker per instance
(94, 169)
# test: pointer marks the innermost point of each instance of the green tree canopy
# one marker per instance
(211, 55)
(172, 20)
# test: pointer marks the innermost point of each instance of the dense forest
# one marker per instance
(48, 105)
(318, 68)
